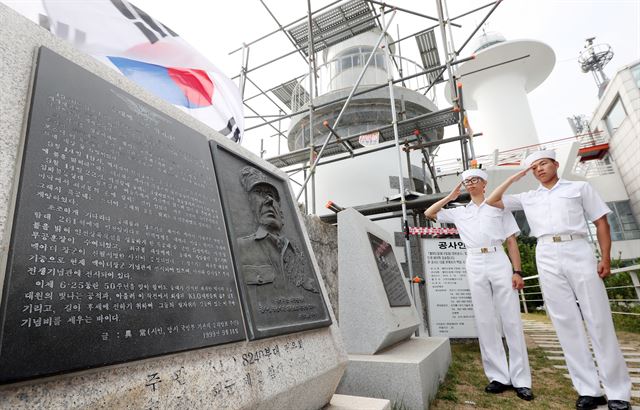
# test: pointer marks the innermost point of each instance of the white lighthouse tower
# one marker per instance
(364, 179)
(496, 84)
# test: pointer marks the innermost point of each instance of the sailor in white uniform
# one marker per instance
(568, 270)
(493, 284)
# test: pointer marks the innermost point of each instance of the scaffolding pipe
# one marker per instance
(443, 34)
(450, 45)
(384, 147)
(379, 3)
(346, 104)
(462, 128)
(285, 26)
(341, 141)
(473, 33)
(426, 160)
(417, 33)
(243, 69)
(273, 88)
(424, 174)
(443, 141)
(284, 31)
(312, 78)
(394, 121)
(271, 125)
(280, 133)
(466, 13)
(265, 94)
(344, 30)
(368, 90)
(423, 202)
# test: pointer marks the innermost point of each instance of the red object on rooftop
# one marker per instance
(593, 152)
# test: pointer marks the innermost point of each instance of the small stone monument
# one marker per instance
(378, 319)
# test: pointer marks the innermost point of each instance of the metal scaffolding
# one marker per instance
(333, 24)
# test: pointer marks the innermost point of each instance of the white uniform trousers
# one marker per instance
(492, 293)
(568, 271)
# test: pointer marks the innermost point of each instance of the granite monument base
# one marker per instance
(408, 373)
(344, 402)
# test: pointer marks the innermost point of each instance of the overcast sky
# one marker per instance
(217, 27)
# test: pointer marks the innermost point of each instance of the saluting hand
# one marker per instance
(604, 268)
(455, 193)
(518, 175)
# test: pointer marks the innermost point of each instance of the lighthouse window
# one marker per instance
(380, 61)
(615, 116)
(354, 57)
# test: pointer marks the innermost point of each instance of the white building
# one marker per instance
(617, 115)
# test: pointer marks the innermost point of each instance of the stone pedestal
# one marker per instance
(377, 322)
(407, 373)
(344, 402)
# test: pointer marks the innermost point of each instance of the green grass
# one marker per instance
(463, 387)
(465, 382)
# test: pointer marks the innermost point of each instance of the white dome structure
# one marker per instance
(496, 83)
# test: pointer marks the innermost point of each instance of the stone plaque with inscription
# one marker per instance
(392, 277)
(276, 277)
(119, 249)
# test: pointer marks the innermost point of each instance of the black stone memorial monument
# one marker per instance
(119, 249)
(120, 244)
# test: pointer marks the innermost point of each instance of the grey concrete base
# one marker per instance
(344, 402)
(407, 373)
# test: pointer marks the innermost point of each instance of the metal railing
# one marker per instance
(631, 270)
(515, 156)
(594, 168)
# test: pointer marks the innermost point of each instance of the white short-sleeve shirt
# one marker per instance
(480, 226)
(563, 209)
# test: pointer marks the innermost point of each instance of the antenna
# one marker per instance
(593, 59)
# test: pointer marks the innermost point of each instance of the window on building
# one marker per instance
(635, 72)
(623, 224)
(615, 116)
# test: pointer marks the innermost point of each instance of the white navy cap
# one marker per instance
(534, 156)
(474, 173)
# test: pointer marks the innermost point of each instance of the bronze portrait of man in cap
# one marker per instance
(276, 275)
(266, 256)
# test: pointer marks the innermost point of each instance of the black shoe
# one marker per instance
(590, 402)
(524, 393)
(496, 387)
(619, 405)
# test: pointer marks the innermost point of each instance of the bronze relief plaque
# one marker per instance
(277, 280)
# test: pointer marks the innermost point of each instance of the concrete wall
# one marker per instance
(304, 377)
